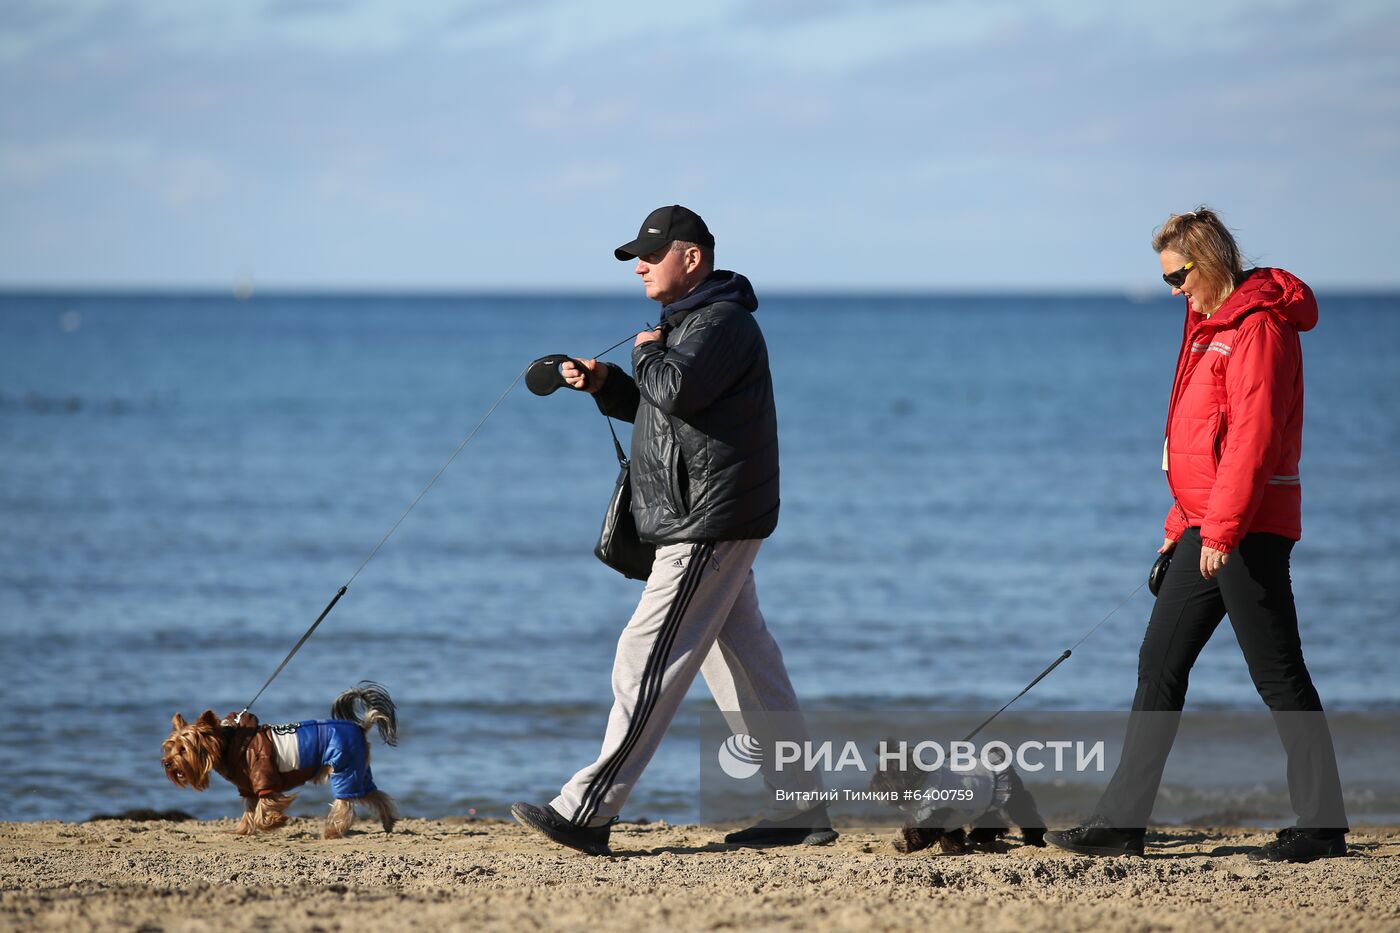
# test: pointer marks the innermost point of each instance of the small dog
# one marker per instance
(264, 761)
(1005, 801)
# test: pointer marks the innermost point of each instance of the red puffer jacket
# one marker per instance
(1235, 424)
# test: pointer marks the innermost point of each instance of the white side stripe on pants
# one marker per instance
(651, 684)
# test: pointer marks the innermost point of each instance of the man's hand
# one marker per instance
(1168, 545)
(591, 377)
(1212, 560)
(647, 336)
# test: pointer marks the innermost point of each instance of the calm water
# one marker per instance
(969, 484)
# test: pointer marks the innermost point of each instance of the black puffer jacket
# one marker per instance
(705, 435)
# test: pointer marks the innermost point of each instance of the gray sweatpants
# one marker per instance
(699, 612)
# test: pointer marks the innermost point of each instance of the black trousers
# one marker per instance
(1255, 591)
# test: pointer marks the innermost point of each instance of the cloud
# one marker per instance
(307, 125)
(573, 179)
(179, 180)
(37, 161)
(832, 36)
(563, 112)
(357, 182)
(185, 181)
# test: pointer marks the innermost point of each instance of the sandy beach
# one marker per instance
(469, 874)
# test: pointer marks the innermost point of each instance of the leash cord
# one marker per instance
(1056, 663)
(390, 533)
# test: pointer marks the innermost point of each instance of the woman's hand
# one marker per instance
(1212, 560)
(1167, 545)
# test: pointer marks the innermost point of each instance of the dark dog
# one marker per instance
(937, 805)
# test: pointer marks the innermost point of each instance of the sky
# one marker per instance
(509, 145)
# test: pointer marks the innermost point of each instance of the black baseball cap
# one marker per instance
(662, 226)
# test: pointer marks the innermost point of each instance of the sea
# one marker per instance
(970, 485)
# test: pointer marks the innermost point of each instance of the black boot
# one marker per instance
(1096, 837)
(809, 828)
(1297, 845)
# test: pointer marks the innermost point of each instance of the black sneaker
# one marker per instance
(1098, 838)
(1295, 845)
(811, 828)
(592, 840)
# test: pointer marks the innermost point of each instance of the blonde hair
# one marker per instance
(1202, 237)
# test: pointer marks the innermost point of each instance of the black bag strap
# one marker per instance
(617, 444)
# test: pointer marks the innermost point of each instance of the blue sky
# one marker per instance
(510, 144)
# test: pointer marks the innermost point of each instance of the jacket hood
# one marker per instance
(720, 285)
(1275, 290)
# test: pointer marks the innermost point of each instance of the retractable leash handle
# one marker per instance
(545, 375)
(1158, 573)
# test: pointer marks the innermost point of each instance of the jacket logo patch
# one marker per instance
(287, 728)
(1215, 345)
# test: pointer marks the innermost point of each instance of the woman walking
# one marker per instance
(1234, 435)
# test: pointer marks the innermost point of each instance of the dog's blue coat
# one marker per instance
(334, 742)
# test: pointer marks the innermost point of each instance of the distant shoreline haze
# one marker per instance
(1149, 293)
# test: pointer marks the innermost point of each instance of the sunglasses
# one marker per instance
(1178, 278)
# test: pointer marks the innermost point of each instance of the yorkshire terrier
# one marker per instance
(999, 799)
(265, 761)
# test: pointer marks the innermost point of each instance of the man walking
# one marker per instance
(705, 491)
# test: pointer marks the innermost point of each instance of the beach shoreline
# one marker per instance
(465, 873)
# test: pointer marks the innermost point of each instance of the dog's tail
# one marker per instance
(368, 704)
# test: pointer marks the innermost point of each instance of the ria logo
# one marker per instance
(740, 756)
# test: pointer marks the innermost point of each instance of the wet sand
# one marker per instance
(459, 874)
